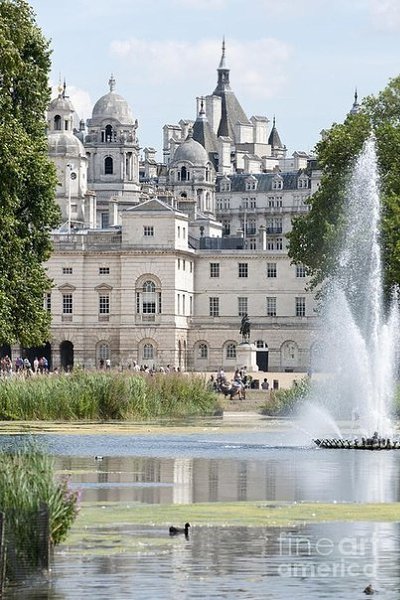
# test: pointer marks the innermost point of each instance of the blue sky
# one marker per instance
(297, 59)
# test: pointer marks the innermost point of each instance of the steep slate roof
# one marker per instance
(204, 134)
(231, 111)
(264, 181)
(274, 140)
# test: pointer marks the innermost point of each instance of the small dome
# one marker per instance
(61, 104)
(65, 144)
(113, 106)
(191, 151)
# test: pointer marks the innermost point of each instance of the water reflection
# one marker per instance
(296, 475)
(333, 560)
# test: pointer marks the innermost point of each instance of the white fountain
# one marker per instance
(359, 333)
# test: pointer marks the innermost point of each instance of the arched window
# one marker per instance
(148, 351)
(203, 350)
(108, 165)
(57, 123)
(148, 300)
(231, 351)
(103, 351)
(184, 174)
(109, 133)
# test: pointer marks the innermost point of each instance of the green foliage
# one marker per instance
(104, 396)
(316, 236)
(27, 207)
(286, 401)
(26, 481)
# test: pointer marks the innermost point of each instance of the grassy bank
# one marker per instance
(104, 396)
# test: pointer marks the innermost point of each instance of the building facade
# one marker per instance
(156, 263)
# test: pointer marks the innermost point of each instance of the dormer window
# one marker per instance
(251, 184)
(302, 183)
(277, 183)
(225, 185)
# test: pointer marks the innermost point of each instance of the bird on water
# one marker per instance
(176, 530)
(369, 590)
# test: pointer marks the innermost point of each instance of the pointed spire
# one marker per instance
(202, 112)
(64, 89)
(111, 83)
(356, 107)
(222, 64)
(60, 87)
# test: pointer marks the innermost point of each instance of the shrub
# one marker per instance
(286, 401)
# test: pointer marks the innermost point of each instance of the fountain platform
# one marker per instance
(373, 443)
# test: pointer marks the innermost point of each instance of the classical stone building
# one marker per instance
(157, 262)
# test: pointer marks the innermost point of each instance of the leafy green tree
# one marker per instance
(27, 177)
(315, 237)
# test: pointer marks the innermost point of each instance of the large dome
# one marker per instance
(191, 151)
(65, 144)
(113, 106)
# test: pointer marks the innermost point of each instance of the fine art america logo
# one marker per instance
(323, 557)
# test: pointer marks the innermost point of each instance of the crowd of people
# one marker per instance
(23, 366)
(237, 386)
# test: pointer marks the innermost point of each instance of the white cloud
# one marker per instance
(385, 14)
(259, 65)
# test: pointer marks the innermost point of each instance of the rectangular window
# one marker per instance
(270, 244)
(183, 304)
(300, 307)
(47, 301)
(104, 304)
(214, 269)
(148, 231)
(184, 264)
(242, 306)
(179, 304)
(104, 270)
(105, 220)
(67, 271)
(214, 307)
(191, 267)
(271, 270)
(179, 231)
(184, 233)
(300, 271)
(271, 306)
(179, 263)
(227, 227)
(190, 305)
(279, 243)
(252, 244)
(67, 304)
(243, 269)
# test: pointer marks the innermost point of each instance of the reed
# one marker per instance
(105, 396)
(27, 480)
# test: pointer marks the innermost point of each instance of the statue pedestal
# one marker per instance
(246, 356)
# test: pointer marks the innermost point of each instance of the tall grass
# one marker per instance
(286, 401)
(26, 481)
(105, 396)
